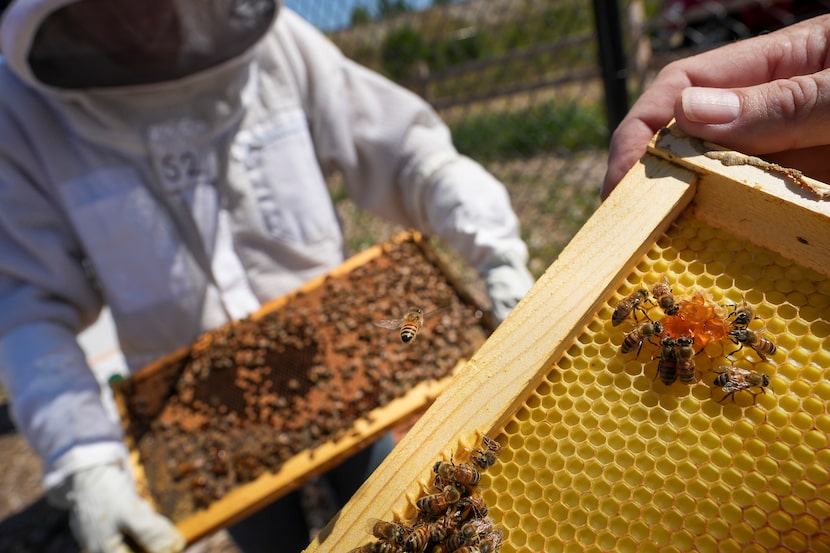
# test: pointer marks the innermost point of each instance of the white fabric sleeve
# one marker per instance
(56, 401)
(397, 156)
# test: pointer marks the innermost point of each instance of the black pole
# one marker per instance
(612, 61)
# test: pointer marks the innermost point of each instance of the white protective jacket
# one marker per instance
(185, 204)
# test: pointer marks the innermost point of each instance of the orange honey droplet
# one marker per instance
(698, 317)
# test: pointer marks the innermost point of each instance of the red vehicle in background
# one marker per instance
(702, 24)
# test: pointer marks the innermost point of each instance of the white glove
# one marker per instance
(103, 504)
(506, 285)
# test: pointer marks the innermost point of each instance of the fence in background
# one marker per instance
(525, 84)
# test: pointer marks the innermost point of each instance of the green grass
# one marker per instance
(531, 131)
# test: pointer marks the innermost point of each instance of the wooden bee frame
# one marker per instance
(677, 176)
(153, 387)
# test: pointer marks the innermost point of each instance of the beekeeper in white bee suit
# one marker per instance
(166, 158)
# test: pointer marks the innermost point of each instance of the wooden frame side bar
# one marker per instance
(519, 353)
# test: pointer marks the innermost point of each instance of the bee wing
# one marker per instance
(436, 310)
(370, 524)
(631, 326)
(389, 323)
(732, 386)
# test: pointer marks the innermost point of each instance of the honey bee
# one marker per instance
(663, 296)
(411, 323)
(436, 503)
(392, 532)
(484, 526)
(464, 473)
(472, 505)
(734, 379)
(466, 535)
(755, 340)
(684, 353)
(378, 547)
(639, 335)
(492, 538)
(667, 364)
(489, 545)
(741, 315)
(468, 549)
(486, 458)
(418, 538)
(439, 529)
(628, 305)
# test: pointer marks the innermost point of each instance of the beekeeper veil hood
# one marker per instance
(123, 72)
(84, 44)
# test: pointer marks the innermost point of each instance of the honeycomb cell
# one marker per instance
(816, 405)
(639, 530)
(741, 531)
(578, 518)
(768, 537)
(566, 531)
(818, 474)
(755, 516)
(535, 542)
(717, 528)
(527, 524)
(527, 475)
(598, 521)
(755, 449)
(533, 445)
(515, 488)
(498, 483)
(792, 435)
(793, 505)
(518, 537)
(631, 464)
(780, 486)
(767, 466)
(539, 510)
(795, 541)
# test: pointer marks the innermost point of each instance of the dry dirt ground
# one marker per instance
(553, 197)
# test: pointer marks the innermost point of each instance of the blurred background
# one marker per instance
(530, 88)
(533, 88)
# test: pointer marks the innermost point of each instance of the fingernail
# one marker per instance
(710, 105)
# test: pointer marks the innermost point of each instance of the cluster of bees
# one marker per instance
(688, 325)
(451, 518)
(250, 396)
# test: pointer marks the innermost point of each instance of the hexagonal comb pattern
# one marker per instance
(603, 456)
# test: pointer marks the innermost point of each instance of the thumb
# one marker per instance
(777, 116)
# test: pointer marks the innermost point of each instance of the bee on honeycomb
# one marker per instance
(450, 517)
(689, 323)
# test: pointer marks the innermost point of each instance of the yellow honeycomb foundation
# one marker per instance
(603, 456)
(598, 454)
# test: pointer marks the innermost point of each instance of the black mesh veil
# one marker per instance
(106, 43)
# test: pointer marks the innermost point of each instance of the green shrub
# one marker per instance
(537, 129)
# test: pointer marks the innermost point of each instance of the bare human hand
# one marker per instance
(768, 95)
